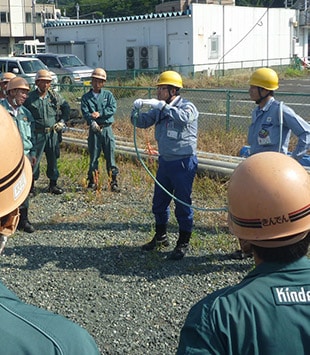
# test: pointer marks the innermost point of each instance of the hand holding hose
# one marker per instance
(154, 103)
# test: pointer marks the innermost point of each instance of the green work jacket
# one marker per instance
(104, 103)
(268, 313)
(25, 329)
(47, 111)
(25, 124)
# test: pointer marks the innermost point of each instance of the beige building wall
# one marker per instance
(21, 20)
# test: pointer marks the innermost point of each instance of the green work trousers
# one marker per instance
(48, 143)
(98, 142)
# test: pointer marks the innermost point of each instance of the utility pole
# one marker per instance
(33, 7)
(77, 6)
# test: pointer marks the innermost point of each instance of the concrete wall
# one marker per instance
(22, 21)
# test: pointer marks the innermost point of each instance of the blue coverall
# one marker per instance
(264, 131)
(176, 135)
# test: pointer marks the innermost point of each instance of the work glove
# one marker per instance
(59, 126)
(95, 127)
(154, 103)
(138, 104)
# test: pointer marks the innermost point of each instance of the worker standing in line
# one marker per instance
(17, 92)
(273, 121)
(176, 123)
(268, 312)
(26, 329)
(272, 124)
(50, 112)
(5, 78)
(98, 108)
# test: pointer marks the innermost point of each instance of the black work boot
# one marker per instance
(160, 239)
(113, 185)
(24, 224)
(32, 192)
(182, 246)
(91, 185)
(54, 189)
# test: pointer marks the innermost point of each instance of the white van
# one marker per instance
(25, 67)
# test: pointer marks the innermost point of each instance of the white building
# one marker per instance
(205, 37)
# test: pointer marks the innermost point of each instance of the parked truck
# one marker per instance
(28, 47)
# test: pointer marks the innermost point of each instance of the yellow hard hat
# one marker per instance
(43, 74)
(6, 77)
(99, 73)
(170, 77)
(269, 199)
(265, 78)
(17, 83)
(15, 168)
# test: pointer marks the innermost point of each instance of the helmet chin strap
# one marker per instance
(170, 96)
(261, 97)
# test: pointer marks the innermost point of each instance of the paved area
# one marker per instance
(295, 85)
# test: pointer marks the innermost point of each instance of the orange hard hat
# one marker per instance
(15, 168)
(99, 73)
(6, 77)
(18, 83)
(43, 74)
(269, 199)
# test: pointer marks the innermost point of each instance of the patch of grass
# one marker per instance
(291, 72)
(212, 141)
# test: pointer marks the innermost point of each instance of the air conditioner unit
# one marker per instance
(148, 57)
(132, 57)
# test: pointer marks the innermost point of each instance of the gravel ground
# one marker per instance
(84, 262)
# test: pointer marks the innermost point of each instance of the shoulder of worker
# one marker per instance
(88, 95)
(27, 113)
(33, 95)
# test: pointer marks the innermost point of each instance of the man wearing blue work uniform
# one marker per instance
(26, 329)
(272, 121)
(268, 312)
(272, 124)
(98, 108)
(176, 121)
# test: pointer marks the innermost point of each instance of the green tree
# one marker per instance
(104, 8)
(119, 8)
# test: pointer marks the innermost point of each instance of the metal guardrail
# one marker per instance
(223, 165)
(213, 163)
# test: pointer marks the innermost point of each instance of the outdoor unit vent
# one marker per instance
(132, 57)
(148, 57)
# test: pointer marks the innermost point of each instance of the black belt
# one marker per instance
(104, 125)
(44, 130)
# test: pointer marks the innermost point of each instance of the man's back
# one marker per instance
(28, 329)
(267, 313)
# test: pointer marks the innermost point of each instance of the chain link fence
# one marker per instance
(224, 114)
